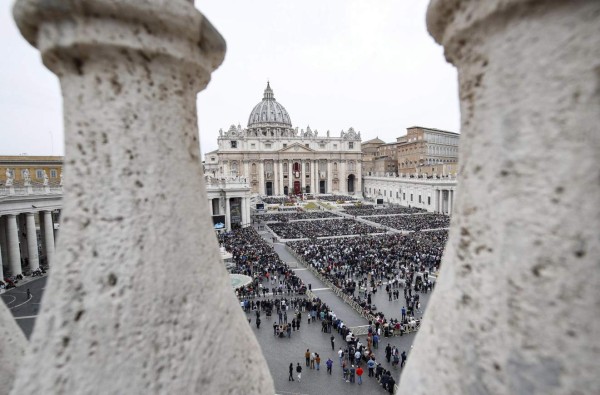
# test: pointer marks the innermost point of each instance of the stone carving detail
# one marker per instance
(45, 179)
(26, 178)
(9, 178)
(116, 318)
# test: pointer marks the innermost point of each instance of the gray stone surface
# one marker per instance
(515, 310)
(130, 307)
(12, 349)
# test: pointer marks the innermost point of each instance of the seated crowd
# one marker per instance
(413, 222)
(294, 216)
(275, 200)
(335, 198)
(326, 228)
(253, 257)
(393, 258)
(366, 211)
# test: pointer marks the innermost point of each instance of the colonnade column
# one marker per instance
(3, 244)
(32, 244)
(280, 190)
(227, 214)
(449, 201)
(12, 239)
(48, 232)
(22, 226)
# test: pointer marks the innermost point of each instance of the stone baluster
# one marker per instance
(138, 300)
(514, 309)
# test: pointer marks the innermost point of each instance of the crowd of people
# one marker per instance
(398, 259)
(254, 257)
(325, 228)
(413, 222)
(275, 200)
(336, 198)
(366, 211)
(355, 357)
(294, 216)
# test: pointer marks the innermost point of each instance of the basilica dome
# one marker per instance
(269, 113)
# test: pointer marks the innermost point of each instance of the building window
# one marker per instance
(212, 159)
(411, 197)
(233, 144)
(351, 145)
(419, 198)
(53, 173)
(335, 146)
(397, 195)
(321, 145)
(267, 145)
(429, 200)
(384, 192)
(252, 145)
(404, 196)
(306, 145)
(39, 173)
(284, 145)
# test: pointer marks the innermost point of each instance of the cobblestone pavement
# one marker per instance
(23, 309)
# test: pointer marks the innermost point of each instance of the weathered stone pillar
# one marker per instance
(3, 243)
(515, 308)
(12, 349)
(138, 300)
(48, 232)
(12, 238)
(32, 244)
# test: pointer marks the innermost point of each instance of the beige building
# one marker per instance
(426, 147)
(34, 169)
(278, 159)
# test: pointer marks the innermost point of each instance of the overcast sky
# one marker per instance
(332, 64)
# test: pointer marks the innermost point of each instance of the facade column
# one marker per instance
(281, 179)
(302, 175)
(32, 243)
(316, 176)
(261, 178)
(48, 232)
(275, 177)
(329, 185)
(358, 187)
(1, 263)
(12, 236)
(227, 213)
(290, 176)
(449, 201)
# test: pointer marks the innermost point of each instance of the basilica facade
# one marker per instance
(278, 159)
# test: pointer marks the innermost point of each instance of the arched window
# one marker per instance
(296, 166)
(254, 168)
(307, 167)
(334, 166)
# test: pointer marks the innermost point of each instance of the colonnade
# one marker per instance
(444, 200)
(19, 241)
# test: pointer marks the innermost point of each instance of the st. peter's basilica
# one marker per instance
(278, 159)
